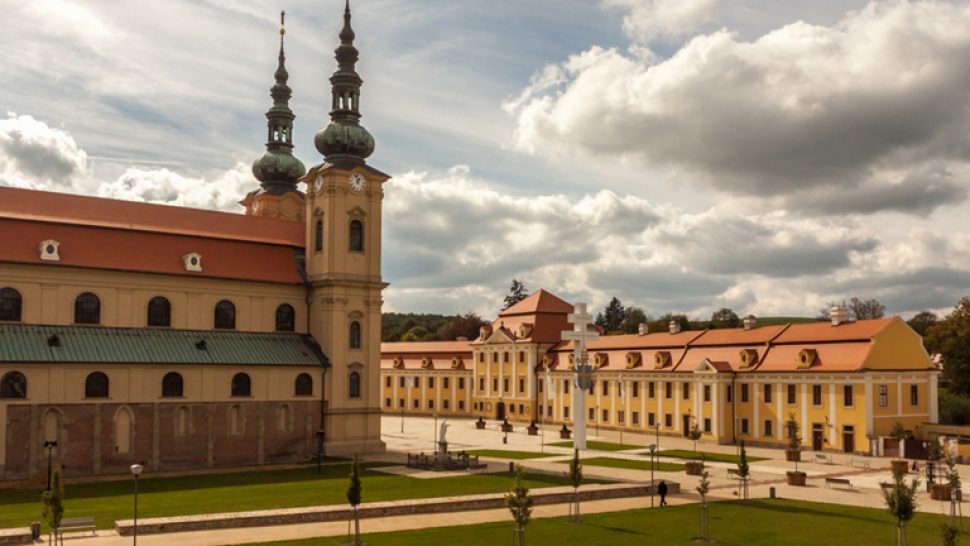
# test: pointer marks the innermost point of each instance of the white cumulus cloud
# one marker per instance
(648, 20)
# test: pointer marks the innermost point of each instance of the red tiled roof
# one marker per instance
(819, 332)
(81, 210)
(739, 336)
(422, 348)
(539, 302)
(829, 357)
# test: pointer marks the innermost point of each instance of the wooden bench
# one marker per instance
(856, 461)
(838, 481)
(76, 524)
(827, 459)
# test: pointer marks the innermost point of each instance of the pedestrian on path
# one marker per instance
(662, 491)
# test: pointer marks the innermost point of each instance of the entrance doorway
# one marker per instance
(848, 439)
(500, 411)
(817, 436)
(686, 425)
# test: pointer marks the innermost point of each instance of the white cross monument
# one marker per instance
(579, 335)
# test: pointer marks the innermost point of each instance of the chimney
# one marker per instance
(674, 327)
(749, 322)
(461, 338)
(839, 315)
(643, 328)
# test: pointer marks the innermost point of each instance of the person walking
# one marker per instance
(662, 491)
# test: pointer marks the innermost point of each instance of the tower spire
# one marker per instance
(345, 140)
(277, 170)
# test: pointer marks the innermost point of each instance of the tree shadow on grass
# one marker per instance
(782, 507)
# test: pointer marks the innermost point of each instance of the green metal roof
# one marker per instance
(30, 343)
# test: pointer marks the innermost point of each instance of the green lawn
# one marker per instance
(260, 490)
(518, 455)
(764, 523)
(600, 446)
(716, 457)
(633, 465)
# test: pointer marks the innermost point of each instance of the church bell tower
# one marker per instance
(343, 262)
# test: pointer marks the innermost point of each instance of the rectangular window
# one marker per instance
(636, 418)
(744, 393)
(668, 390)
(521, 356)
(707, 425)
(620, 418)
(636, 389)
(495, 358)
(505, 385)
(540, 386)
(651, 419)
(444, 404)
(417, 382)
(685, 391)
(401, 403)
(430, 382)
(913, 395)
(495, 385)
(417, 403)
(651, 390)
(402, 382)
(461, 404)
(521, 385)
(768, 431)
(707, 393)
(767, 392)
(505, 357)
(461, 383)
(669, 420)
(592, 414)
(481, 357)
(387, 402)
(883, 396)
(540, 410)
(430, 404)
(744, 425)
(549, 411)
(387, 381)
(791, 395)
(847, 396)
(565, 387)
(481, 384)
(816, 395)
(565, 413)
(728, 391)
(606, 388)
(444, 382)
(606, 416)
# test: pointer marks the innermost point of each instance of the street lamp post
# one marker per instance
(656, 425)
(737, 433)
(596, 416)
(136, 470)
(50, 445)
(320, 437)
(402, 419)
(652, 447)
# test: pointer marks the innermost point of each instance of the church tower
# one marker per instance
(343, 262)
(277, 170)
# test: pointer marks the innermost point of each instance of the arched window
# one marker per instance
(304, 385)
(172, 385)
(159, 312)
(241, 385)
(10, 304)
(225, 315)
(356, 236)
(285, 318)
(96, 386)
(87, 309)
(13, 385)
(318, 239)
(355, 385)
(355, 335)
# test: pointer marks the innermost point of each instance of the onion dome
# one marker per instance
(345, 139)
(278, 171)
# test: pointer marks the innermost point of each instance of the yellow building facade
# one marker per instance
(845, 382)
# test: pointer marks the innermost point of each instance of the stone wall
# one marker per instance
(160, 436)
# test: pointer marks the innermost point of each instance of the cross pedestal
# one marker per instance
(579, 335)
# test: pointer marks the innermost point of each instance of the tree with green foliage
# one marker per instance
(612, 316)
(519, 502)
(632, 320)
(703, 488)
(354, 496)
(725, 318)
(467, 326)
(901, 503)
(575, 476)
(952, 473)
(54, 501)
(517, 293)
(950, 338)
(898, 432)
(662, 324)
(694, 435)
(420, 333)
(949, 534)
(954, 408)
(744, 472)
(923, 321)
(866, 310)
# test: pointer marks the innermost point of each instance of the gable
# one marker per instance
(898, 347)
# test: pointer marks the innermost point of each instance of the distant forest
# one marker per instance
(430, 327)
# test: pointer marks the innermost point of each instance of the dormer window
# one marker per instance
(456, 362)
(192, 262)
(600, 360)
(806, 358)
(632, 360)
(426, 362)
(398, 362)
(748, 357)
(48, 250)
(660, 359)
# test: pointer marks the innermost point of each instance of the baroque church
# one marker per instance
(189, 339)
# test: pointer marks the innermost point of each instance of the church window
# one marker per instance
(304, 385)
(285, 318)
(225, 315)
(87, 309)
(10, 304)
(159, 312)
(241, 385)
(355, 335)
(172, 385)
(355, 385)
(318, 239)
(122, 431)
(356, 236)
(13, 385)
(96, 385)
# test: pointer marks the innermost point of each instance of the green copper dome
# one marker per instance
(337, 140)
(278, 167)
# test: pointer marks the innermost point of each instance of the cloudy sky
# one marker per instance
(682, 155)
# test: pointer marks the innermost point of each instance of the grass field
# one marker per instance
(599, 446)
(517, 455)
(261, 490)
(632, 465)
(716, 457)
(764, 523)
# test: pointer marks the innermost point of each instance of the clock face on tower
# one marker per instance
(319, 183)
(357, 182)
